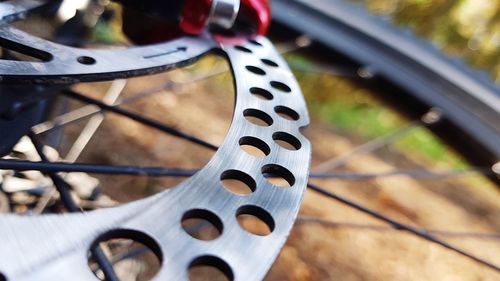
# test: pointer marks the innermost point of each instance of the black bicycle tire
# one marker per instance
(469, 100)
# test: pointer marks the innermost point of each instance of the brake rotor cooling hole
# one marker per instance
(255, 220)
(287, 113)
(238, 182)
(210, 268)
(258, 117)
(130, 252)
(86, 60)
(269, 62)
(261, 93)
(255, 70)
(202, 224)
(287, 141)
(243, 49)
(254, 42)
(254, 146)
(280, 86)
(278, 175)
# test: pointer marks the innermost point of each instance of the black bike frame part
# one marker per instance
(170, 10)
(21, 107)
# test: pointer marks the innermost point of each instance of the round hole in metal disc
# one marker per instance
(202, 224)
(86, 60)
(281, 86)
(254, 146)
(287, 141)
(243, 49)
(255, 220)
(133, 254)
(278, 175)
(211, 268)
(261, 93)
(238, 182)
(255, 70)
(258, 117)
(269, 62)
(287, 113)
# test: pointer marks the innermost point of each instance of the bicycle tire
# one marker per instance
(468, 99)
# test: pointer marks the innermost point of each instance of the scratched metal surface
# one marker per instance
(12, 10)
(55, 247)
(62, 64)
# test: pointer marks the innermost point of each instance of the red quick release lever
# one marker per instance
(197, 15)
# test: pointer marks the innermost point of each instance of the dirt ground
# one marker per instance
(314, 251)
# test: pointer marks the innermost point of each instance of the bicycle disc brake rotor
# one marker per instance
(55, 247)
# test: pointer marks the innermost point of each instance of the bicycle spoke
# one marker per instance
(367, 147)
(90, 110)
(54, 167)
(64, 190)
(318, 68)
(143, 120)
(299, 43)
(23, 165)
(401, 226)
(95, 122)
(422, 174)
(66, 118)
(383, 228)
(61, 185)
(105, 264)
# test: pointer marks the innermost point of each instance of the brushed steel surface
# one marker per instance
(223, 13)
(55, 247)
(63, 65)
(13, 10)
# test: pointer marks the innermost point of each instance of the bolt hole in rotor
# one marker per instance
(255, 70)
(280, 86)
(243, 49)
(255, 220)
(261, 93)
(278, 175)
(202, 224)
(287, 113)
(254, 42)
(287, 141)
(238, 182)
(254, 146)
(269, 63)
(130, 252)
(86, 60)
(210, 268)
(258, 117)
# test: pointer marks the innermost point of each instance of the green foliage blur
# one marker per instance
(469, 29)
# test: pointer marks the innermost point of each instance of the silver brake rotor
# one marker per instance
(55, 247)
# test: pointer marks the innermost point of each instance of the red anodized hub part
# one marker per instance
(195, 15)
(261, 13)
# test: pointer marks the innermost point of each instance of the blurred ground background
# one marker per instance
(331, 241)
